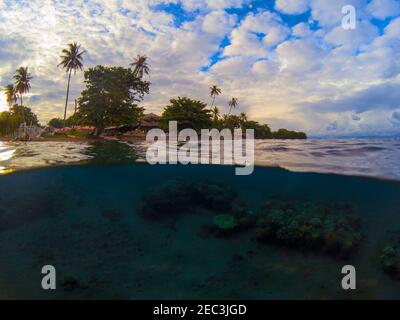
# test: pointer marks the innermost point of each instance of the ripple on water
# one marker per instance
(374, 158)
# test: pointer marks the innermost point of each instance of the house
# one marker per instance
(27, 132)
(149, 121)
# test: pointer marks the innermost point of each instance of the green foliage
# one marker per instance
(333, 228)
(190, 114)
(261, 131)
(225, 221)
(8, 123)
(24, 114)
(110, 97)
(71, 59)
(56, 123)
(11, 120)
(287, 134)
(22, 81)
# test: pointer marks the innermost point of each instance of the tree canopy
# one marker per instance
(11, 120)
(190, 114)
(110, 97)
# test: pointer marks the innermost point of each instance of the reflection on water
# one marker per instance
(373, 157)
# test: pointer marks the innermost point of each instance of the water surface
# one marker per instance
(378, 158)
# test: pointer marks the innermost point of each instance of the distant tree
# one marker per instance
(214, 92)
(11, 120)
(261, 131)
(110, 97)
(22, 81)
(233, 103)
(11, 94)
(25, 114)
(231, 122)
(215, 113)
(140, 66)
(57, 123)
(8, 123)
(190, 114)
(71, 60)
(287, 134)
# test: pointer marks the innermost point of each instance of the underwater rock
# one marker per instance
(390, 257)
(213, 196)
(167, 199)
(177, 196)
(332, 228)
(29, 210)
(70, 283)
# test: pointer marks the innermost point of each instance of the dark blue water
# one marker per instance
(84, 220)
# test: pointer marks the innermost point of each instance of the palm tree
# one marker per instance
(215, 113)
(214, 92)
(141, 67)
(22, 81)
(71, 60)
(11, 94)
(233, 103)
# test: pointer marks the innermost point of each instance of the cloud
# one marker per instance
(292, 7)
(380, 97)
(256, 35)
(219, 23)
(382, 9)
(311, 76)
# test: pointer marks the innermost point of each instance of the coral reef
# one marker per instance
(175, 197)
(332, 228)
(390, 257)
(225, 221)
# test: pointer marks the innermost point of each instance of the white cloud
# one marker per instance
(295, 78)
(383, 9)
(256, 34)
(219, 22)
(292, 7)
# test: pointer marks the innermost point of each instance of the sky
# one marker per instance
(290, 63)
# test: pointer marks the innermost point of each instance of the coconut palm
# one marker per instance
(71, 60)
(215, 112)
(233, 103)
(11, 94)
(22, 81)
(140, 65)
(214, 92)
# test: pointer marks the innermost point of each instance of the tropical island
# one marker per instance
(109, 107)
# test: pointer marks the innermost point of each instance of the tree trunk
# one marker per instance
(21, 101)
(66, 101)
(213, 102)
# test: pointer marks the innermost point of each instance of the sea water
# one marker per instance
(85, 221)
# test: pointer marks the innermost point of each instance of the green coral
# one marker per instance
(225, 221)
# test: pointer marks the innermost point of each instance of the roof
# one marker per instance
(150, 120)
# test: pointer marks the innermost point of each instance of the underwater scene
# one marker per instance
(115, 227)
